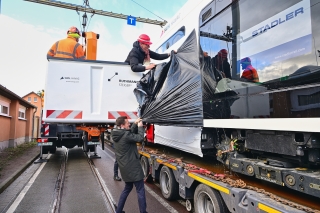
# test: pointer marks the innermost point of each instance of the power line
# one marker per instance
(148, 10)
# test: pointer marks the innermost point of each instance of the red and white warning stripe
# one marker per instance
(64, 114)
(46, 130)
(116, 114)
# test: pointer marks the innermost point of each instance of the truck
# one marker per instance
(267, 130)
(81, 100)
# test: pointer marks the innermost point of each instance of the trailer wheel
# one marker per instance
(168, 184)
(146, 169)
(208, 200)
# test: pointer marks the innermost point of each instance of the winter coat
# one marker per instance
(127, 153)
(224, 67)
(136, 57)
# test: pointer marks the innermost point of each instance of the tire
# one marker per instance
(168, 184)
(85, 140)
(208, 200)
(146, 168)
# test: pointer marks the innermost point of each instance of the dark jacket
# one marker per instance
(136, 57)
(127, 153)
(224, 67)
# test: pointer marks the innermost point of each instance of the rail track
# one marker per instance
(64, 173)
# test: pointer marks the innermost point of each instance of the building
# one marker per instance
(35, 100)
(16, 119)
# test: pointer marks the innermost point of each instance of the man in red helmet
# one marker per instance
(221, 65)
(249, 72)
(139, 56)
(68, 47)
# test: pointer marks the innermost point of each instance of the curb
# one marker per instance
(5, 184)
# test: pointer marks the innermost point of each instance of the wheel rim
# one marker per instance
(165, 182)
(205, 203)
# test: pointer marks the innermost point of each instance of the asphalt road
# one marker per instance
(36, 189)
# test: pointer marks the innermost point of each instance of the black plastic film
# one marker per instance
(171, 94)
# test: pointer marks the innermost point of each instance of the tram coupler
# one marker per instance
(41, 160)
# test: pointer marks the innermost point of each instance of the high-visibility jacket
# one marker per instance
(250, 73)
(66, 48)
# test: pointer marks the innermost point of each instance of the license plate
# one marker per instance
(93, 143)
(45, 144)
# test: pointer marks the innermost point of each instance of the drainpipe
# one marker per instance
(33, 123)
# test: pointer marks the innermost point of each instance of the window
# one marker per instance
(172, 40)
(4, 110)
(29, 99)
(4, 106)
(22, 112)
(273, 40)
(35, 99)
(309, 99)
(21, 115)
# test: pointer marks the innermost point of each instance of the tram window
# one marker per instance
(172, 40)
(168, 45)
(274, 40)
(177, 37)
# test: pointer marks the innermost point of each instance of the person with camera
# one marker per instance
(127, 156)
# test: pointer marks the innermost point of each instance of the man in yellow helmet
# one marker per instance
(68, 47)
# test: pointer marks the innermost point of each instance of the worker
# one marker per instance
(125, 139)
(249, 72)
(221, 65)
(68, 47)
(139, 56)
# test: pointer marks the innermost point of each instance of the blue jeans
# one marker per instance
(115, 168)
(140, 192)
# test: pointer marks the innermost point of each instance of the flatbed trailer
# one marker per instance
(205, 191)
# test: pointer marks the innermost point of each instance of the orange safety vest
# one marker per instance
(66, 48)
(250, 73)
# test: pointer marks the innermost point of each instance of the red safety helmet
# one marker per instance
(223, 53)
(144, 39)
(74, 30)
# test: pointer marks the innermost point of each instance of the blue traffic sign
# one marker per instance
(131, 20)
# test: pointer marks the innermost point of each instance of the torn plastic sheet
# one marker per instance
(184, 91)
(171, 94)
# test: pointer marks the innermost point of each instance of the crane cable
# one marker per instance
(148, 10)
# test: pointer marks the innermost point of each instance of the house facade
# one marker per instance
(34, 99)
(16, 119)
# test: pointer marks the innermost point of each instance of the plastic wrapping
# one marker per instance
(184, 91)
(171, 94)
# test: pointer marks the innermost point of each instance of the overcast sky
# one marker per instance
(28, 30)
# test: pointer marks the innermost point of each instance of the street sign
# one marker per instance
(131, 20)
